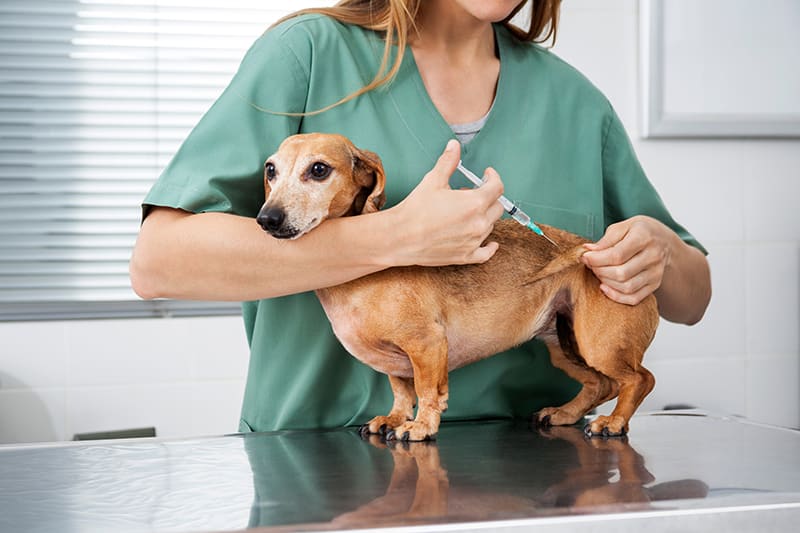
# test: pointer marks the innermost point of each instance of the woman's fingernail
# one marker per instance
(452, 144)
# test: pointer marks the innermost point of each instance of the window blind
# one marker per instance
(95, 98)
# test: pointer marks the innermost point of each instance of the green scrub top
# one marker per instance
(555, 140)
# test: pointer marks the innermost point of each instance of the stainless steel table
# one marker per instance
(677, 471)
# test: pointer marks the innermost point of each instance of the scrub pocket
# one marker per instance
(583, 224)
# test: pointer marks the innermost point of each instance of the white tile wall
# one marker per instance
(186, 376)
(722, 331)
(704, 190)
(182, 376)
(32, 356)
(771, 388)
(772, 290)
(716, 384)
(32, 415)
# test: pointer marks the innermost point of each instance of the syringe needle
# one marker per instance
(515, 212)
(537, 230)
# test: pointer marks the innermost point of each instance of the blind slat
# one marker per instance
(166, 95)
(63, 255)
(55, 187)
(14, 175)
(95, 281)
(56, 268)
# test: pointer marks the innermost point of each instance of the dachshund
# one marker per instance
(415, 324)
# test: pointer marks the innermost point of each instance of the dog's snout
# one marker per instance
(271, 219)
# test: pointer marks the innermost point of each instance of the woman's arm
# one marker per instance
(218, 256)
(640, 256)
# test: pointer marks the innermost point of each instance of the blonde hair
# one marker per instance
(395, 19)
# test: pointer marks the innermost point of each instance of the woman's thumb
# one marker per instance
(446, 164)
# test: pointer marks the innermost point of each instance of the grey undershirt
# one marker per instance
(465, 132)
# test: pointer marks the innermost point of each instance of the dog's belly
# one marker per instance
(348, 325)
(464, 350)
(467, 341)
(464, 347)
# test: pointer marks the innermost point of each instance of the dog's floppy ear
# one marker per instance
(368, 172)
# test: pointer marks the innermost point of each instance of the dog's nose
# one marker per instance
(271, 219)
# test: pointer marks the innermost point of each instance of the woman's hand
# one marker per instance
(631, 258)
(438, 225)
(642, 256)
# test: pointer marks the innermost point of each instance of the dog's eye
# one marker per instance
(319, 171)
(269, 170)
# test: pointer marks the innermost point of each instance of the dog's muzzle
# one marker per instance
(273, 220)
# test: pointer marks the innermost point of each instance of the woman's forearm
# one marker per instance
(685, 289)
(217, 256)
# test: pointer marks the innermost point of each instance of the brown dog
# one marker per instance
(416, 324)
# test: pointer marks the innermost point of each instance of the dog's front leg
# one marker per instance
(428, 355)
(433, 486)
(402, 410)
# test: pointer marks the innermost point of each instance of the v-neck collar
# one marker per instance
(429, 127)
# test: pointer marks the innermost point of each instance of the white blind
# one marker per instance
(95, 97)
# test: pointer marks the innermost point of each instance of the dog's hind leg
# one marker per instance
(402, 409)
(596, 389)
(428, 354)
(615, 347)
(634, 385)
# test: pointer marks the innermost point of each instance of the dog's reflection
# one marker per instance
(608, 472)
(419, 487)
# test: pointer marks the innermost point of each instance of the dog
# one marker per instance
(416, 324)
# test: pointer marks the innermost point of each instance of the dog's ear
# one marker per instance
(368, 173)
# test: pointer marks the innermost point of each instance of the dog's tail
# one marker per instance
(568, 259)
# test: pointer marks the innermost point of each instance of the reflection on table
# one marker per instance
(677, 470)
(472, 472)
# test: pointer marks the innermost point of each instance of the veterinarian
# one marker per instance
(402, 78)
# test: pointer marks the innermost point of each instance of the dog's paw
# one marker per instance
(554, 416)
(381, 425)
(607, 426)
(412, 431)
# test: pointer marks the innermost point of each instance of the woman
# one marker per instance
(402, 78)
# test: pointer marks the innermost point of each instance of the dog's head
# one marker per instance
(315, 176)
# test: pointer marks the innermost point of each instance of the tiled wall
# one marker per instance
(186, 376)
(181, 376)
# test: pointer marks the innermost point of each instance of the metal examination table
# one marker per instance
(677, 471)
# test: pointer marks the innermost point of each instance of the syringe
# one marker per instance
(513, 211)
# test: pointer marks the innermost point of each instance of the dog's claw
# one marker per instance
(363, 431)
(605, 433)
(392, 435)
(544, 422)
